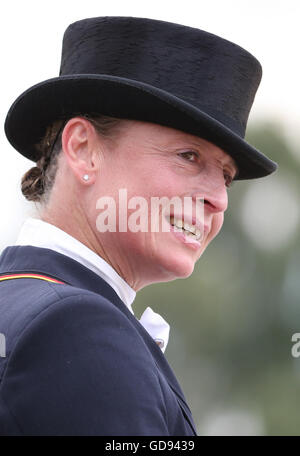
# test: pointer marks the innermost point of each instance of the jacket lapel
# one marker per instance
(19, 259)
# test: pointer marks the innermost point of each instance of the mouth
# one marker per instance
(192, 231)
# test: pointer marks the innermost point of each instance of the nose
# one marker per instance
(213, 192)
(216, 203)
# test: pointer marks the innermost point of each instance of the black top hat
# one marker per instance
(149, 70)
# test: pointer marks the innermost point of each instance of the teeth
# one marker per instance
(177, 222)
(191, 230)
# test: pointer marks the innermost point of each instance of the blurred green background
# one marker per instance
(233, 319)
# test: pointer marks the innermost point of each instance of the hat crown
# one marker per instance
(147, 70)
(209, 72)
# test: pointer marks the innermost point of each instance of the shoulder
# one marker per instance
(75, 314)
(26, 303)
(80, 333)
(83, 361)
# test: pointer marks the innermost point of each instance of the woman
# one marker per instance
(153, 108)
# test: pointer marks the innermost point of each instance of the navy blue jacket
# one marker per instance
(78, 362)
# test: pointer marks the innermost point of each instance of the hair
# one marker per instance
(37, 182)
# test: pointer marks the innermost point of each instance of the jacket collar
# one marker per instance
(19, 259)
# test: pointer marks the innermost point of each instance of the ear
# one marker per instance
(79, 145)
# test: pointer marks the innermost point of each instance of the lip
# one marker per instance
(189, 242)
(202, 227)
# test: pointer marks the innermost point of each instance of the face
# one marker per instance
(151, 160)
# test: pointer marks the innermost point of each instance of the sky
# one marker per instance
(31, 38)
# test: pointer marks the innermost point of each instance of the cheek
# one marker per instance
(217, 223)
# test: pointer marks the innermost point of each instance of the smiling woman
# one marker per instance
(124, 114)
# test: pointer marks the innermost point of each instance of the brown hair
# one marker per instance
(38, 181)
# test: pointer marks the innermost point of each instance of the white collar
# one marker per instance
(38, 233)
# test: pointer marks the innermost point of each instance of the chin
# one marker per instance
(176, 267)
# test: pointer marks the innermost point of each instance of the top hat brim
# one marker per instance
(70, 95)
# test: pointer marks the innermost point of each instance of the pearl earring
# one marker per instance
(85, 177)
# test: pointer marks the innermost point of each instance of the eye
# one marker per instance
(189, 153)
(228, 180)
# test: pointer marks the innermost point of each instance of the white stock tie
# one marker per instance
(156, 326)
